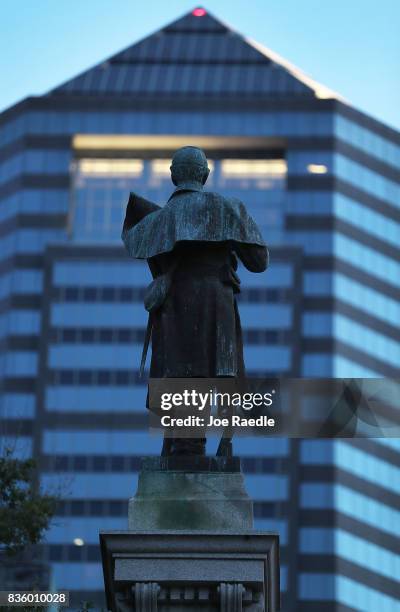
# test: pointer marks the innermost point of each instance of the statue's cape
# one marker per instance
(191, 216)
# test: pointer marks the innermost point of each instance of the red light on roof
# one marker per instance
(199, 12)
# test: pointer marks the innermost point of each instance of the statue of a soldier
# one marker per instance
(192, 246)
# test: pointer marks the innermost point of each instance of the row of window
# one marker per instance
(326, 365)
(267, 171)
(35, 161)
(352, 292)
(96, 399)
(185, 122)
(20, 322)
(126, 294)
(305, 162)
(122, 442)
(300, 163)
(17, 405)
(133, 275)
(79, 314)
(34, 201)
(131, 377)
(352, 548)
(372, 512)
(362, 217)
(71, 552)
(79, 576)
(366, 140)
(92, 377)
(19, 363)
(345, 591)
(260, 487)
(367, 340)
(308, 202)
(369, 300)
(372, 182)
(323, 324)
(346, 209)
(129, 463)
(368, 467)
(116, 335)
(351, 251)
(191, 77)
(285, 123)
(119, 508)
(117, 357)
(29, 241)
(85, 529)
(98, 205)
(20, 281)
(351, 459)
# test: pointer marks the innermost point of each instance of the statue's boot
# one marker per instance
(185, 446)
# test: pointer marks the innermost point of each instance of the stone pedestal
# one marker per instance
(190, 544)
(191, 493)
(178, 571)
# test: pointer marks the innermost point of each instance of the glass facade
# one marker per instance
(323, 188)
(100, 187)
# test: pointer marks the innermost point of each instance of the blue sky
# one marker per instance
(351, 46)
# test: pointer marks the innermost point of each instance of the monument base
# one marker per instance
(175, 571)
(190, 544)
(190, 493)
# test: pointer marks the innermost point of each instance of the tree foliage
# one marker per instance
(25, 512)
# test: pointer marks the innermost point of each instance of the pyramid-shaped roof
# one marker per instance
(196, 55)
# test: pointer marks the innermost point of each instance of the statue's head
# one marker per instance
(189, 167)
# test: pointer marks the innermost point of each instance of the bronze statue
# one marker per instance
(192, 246)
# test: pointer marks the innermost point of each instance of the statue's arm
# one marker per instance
(252, 252)
(136, 209)
(253, 256)
(156, 265)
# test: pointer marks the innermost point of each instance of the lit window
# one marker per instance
(110, 167)
(161, 167)
(317, 168)
(253, 168)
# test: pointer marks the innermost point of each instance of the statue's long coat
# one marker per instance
(196, 332)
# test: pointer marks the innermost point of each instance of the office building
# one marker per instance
(323, 182)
